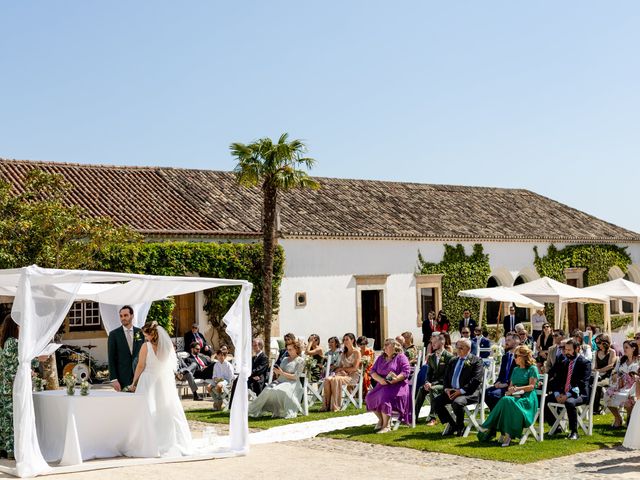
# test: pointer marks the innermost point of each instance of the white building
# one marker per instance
(351, 247)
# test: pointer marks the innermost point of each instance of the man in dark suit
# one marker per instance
(480, 341)
(462, 380)
(195, 336)
(200, 365)
(510, 321)
(497, 391)
(429, 326)
(434, 380)
(467, 322)
(186, 373)
(259, 366)
(123, 346)
(570, 385)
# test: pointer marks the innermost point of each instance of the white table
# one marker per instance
(105, 424)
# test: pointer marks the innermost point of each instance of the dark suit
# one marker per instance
(427, 331)
(484, 344)
(204, 373)
(470, 379)
(189, 338)
(122, 361)
(187, 374)
(508, 324)
(471, 326)
(494, 394)
(259, 368)
(580, 379)
(434, 376)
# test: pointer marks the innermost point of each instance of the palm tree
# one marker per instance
(275, 168)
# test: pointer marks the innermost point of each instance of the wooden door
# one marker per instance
(184, 313)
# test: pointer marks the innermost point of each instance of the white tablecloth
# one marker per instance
(105, 424)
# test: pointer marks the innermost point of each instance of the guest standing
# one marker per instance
(443, 322)
(515, 411)
(347, 373)
(467, 321)
(392, 393)
(538, 321)
(510, 321)
(429, 326)
(282, 398)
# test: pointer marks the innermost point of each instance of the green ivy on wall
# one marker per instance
(214, 260)
(596, 259)
(460, 272)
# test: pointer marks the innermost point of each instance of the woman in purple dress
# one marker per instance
(392, 393)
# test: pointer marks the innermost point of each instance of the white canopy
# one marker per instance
(498, 294)
(620, 289)
(548, 290)
(43, 298)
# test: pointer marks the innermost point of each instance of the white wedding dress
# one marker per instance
(632, 437)
(157, 383)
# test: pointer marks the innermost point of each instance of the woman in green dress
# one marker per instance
(517, 409)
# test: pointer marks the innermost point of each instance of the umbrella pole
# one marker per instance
(635, 315)
(481, 314)
(498, 321)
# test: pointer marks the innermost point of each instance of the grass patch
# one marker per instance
(267, 421)
(430, 439)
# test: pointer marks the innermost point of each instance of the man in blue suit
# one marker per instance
(497, 391)
(480, 341)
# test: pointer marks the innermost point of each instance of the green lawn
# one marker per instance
(430, 439)
(209, 416)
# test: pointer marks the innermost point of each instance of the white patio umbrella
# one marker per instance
(548, 290)
(498, 294)
(620, 289)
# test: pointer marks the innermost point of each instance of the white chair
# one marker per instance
(371, 343)
(537, 427)
(311, 393)
(475, 410)
(413, 377)
(585, 412)
(353, 394)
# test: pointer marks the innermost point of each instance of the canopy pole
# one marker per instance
(607, 317)
(481, 314)
(635, 315)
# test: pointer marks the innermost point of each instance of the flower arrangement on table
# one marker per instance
(69, 380)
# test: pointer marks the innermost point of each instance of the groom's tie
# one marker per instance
(129, 339)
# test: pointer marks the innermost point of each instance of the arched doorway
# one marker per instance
(493, 308)
(522, 313)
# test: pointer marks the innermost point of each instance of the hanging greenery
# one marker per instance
(460, 272)
(596, 259)
(214, 260)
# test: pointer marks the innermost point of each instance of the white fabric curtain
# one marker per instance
(39, 309)
(111, 314)
(238, 321)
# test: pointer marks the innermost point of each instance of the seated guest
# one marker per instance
(570, 385)
(314, 350)
(282, 398)
(410, 350)
(222, 376)
(367, 357)
(585, 347)
(333, 354)
(289, 338)
(538, 321)
(544, 343)
(391, 393)
(497, 391)
(347, 373)
(462, 380)
(200, 365)
(556, 350)
(622, 391)
(467, 321)
(259, 366)
(185, 373)
(195, 336)
(525, 339)
(466, 333)
(434, 382)
(480, 341)
(447, 341)
(605, 360)
(517, 409)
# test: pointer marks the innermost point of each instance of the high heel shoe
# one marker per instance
(506, 441)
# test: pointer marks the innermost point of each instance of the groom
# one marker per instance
(123, 347)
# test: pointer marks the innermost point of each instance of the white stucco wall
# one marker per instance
(325, 270)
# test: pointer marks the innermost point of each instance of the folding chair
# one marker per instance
(352, 394)
(473, 411)
(585, 412)
(413, 377)
(311, 393)
(537, 430)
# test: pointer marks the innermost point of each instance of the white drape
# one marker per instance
(39, 309)
(238, 323)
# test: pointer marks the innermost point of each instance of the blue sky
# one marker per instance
(540, 95)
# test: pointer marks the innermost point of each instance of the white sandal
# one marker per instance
(384, 430)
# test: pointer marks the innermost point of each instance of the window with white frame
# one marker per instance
(84, 316)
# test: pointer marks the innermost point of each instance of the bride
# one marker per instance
(154, 378)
